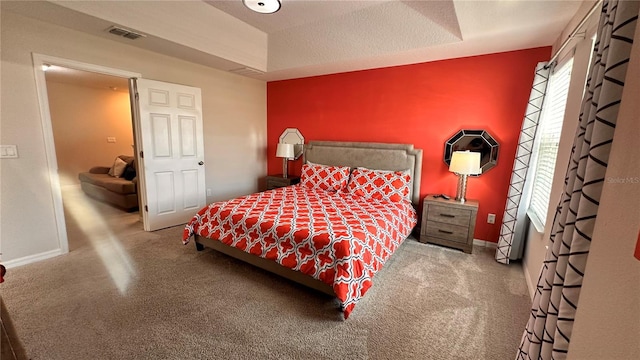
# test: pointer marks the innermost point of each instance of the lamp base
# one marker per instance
(462, 188)
(285, 168)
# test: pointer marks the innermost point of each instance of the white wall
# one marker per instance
(607, 324)
(208, 29)
(234, 113)
(535, 247)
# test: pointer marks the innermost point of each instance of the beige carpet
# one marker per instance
(122, 293)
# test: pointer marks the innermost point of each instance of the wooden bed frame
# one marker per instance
(379, 156)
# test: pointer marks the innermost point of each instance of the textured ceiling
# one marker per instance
(315, 37)
(306, 33)
(307, 38)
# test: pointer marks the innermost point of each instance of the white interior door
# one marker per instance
(171, 153)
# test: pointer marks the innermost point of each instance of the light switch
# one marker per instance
(8, 151)
(111, 139)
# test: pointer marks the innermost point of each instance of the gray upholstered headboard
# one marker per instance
(379, 156)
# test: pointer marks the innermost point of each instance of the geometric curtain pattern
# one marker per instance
(555, 302)
(512, 217)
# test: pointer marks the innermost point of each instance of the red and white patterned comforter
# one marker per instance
(337, 238)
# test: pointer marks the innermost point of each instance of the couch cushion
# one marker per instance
(128, 159)
(117, 169)
(117, 185)
(129, 172)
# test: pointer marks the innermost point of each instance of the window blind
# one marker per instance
(549, 132)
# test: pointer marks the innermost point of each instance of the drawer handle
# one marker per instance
(445, 231)
(448, 215)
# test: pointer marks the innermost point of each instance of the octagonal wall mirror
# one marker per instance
(293, 136)
(474, 140)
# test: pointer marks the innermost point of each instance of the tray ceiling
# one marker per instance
(307, 38)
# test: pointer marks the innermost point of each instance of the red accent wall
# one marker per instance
(422, 104)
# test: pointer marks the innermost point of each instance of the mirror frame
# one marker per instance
(293, 136)
(489, 144)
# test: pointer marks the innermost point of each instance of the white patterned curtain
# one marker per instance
(514, 219)
(555, 302)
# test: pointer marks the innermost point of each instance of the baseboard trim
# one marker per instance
(527, 277)
(32, 258)
(484, 243)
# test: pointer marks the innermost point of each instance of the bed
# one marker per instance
(332, 232)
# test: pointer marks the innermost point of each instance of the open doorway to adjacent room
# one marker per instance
(92, 126)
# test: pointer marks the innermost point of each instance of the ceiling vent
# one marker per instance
(129, 34)
(247, 71)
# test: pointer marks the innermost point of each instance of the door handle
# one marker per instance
(200, 163)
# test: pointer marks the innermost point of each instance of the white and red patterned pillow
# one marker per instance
(331, 178)
(380, 184)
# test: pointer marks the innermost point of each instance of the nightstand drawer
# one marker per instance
(279, 181)
(447, 231)
(449, 215)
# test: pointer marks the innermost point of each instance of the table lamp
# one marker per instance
(285, 151)
(464, 163)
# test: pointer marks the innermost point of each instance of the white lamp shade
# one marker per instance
(263, 6)
(465, 163)
(285, 151)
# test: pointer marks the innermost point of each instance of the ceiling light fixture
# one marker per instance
(263, 6)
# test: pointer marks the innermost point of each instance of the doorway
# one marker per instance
(42, 63)
(92, 127)
(168, 147)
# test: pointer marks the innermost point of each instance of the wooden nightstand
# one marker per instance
(276, 181)
(448, 222)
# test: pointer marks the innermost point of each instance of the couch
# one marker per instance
(117, 191)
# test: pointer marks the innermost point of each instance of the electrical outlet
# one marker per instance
(208, 192)
(491, 218)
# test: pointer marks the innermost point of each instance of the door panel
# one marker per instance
(188, 136)
(172, 148)
(161, 132)
(186, 101)
(158, 97)
(190, 187)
